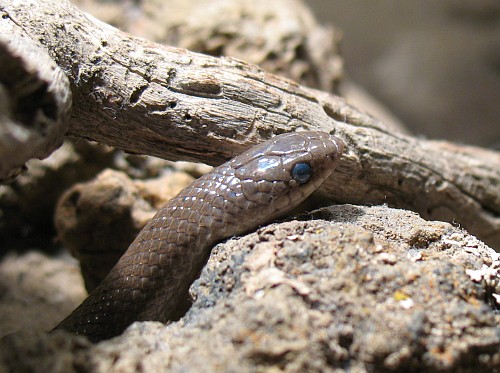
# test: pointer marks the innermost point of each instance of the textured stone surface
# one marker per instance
(369, 289)
(36, 291)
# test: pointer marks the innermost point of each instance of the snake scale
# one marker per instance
(152, 279)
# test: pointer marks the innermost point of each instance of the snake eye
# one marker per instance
(301, 173)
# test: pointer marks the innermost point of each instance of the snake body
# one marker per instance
(152, 279)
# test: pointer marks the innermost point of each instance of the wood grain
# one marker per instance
(158, 100)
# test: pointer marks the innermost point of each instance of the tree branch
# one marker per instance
(35, 99)
(151, 99)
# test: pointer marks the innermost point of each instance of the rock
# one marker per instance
(37, 291)
(347, 288)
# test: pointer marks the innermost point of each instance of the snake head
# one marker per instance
(280, 173)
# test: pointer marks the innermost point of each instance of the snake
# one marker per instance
(151, 281)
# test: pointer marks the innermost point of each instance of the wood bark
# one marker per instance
(158, 100)
(35, 99)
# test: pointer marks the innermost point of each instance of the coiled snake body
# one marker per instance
(152, 278)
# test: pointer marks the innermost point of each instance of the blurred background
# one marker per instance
(434, 64)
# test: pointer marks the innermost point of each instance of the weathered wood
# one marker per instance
(172, 103)
(35, 99)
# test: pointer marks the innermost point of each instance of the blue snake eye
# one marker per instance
(301, 173)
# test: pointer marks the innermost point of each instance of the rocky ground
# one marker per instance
(344, 288)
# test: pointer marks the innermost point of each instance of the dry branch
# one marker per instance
(35, 99)
(151, 99)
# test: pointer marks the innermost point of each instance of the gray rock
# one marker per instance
(346, 289)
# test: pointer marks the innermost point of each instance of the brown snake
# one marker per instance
(153, 277)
